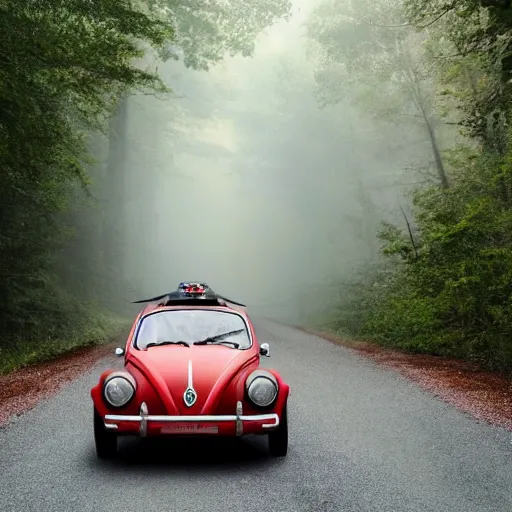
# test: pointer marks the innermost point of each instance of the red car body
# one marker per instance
(218, 374)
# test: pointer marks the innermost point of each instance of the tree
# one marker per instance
(64, 65)
(205, 32)
(474, 66)
(372, 57)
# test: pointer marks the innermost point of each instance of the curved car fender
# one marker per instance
(156, 382)
(102, 407)
(236, 390)
(144, 392)
(231, 373)
(284, 391)
(97, 393)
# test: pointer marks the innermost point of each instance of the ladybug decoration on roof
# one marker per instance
(194, 289)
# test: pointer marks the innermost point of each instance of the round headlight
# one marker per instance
(262, 391)
(118, 391)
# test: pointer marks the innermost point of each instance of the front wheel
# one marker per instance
(278, 440)
(106, 442)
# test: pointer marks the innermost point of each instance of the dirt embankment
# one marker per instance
(484, 395)
(22, 389)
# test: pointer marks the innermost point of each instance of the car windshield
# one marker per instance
(193, 325)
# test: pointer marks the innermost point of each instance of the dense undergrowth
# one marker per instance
(88, 325)
(443, 284)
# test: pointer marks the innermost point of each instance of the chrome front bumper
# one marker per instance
(238, 419)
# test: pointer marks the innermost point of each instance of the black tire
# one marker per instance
(106, 442)
(278, 439)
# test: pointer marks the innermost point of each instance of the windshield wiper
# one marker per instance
(211, 341)
(217, 340)
(167, 343)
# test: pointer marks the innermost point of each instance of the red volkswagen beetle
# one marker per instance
(191, 368)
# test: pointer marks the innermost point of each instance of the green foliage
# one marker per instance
(359, 296)
(473, 57)
(82, 325)
(208, 31)
(372, 57)
(64, 66)
(451, 292)
(455, 297)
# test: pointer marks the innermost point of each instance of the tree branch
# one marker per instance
(448, 9)
(413, 243)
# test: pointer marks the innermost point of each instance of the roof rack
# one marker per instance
(182, 298)
(179, 297)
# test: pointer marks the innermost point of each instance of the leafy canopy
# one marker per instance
(205, 32)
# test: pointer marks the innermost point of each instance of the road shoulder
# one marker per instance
(484, 395)
(23, 389)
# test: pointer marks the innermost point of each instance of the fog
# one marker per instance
(240, 179)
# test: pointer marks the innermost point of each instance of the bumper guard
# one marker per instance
(239, 418)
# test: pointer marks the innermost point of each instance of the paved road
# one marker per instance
(362, 439)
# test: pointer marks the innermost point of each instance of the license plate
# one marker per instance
(189, 429)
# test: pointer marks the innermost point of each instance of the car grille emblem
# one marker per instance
(190, 395)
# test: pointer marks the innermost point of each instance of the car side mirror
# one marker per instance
(119, 352)
(265, 349)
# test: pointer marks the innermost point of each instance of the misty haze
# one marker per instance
(340, 170)
(275, 196)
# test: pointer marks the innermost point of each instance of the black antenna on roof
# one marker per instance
(150, 300)
(232, 301)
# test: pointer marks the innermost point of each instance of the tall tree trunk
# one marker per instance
(421, 103)
(441, 171)
(369, 221)
(112, 205)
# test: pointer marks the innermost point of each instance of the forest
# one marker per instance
(443, 284)
(67, 68)
(437, 71)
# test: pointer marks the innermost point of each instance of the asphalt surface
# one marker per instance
(361, 439)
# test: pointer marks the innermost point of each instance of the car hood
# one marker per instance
(210, 369)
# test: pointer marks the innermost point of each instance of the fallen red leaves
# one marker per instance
(21, 390)
(484, 395)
